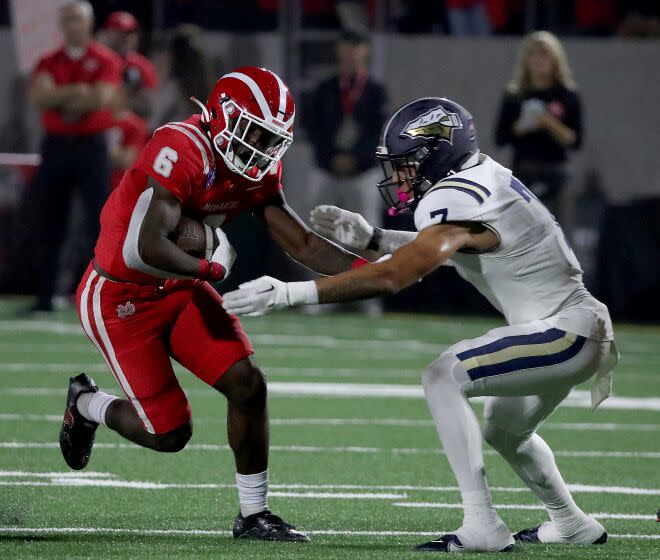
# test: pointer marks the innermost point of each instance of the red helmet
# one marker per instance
(250, 113)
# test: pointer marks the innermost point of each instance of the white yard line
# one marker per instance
(575, 487)
(599, 515)
(65, 474)
(389, 422)
(384, 338)
(277, 340)
(576, 399)
(342, 449)
(214, 533)
(327, 373)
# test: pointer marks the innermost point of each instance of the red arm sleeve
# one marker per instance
(174, 160)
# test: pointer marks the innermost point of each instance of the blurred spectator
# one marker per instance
(126, 138)
(467, 17)
(74, 87)
(343, 122)
(187, 73)
(541, 117)
(121, 33)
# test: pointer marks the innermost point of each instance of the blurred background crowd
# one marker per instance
(562, 91)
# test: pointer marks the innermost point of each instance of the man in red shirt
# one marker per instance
(74, 88)
(121, 32)
(143, 300)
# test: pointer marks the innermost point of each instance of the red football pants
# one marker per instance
(138, 328)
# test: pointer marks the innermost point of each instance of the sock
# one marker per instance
(93, 406)
(252, 492)
(460, 434)
(478, 508)
(535, 464)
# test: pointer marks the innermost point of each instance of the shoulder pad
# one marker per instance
(451, 200)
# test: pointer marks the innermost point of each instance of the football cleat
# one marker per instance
(77, 433)
(532, 536)
(450, 543)
(266, 526)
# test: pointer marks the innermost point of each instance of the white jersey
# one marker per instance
(531, 273)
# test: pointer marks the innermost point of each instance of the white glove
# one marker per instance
(224, 254)
(266, 293)
(338, 224)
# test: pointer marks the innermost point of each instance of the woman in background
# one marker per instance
(541, 117)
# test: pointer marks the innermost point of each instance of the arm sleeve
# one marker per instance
(509, 113)
(447, 204)
(174, 160)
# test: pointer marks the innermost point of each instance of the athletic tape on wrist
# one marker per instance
(208, 233)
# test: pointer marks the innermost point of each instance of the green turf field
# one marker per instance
(355, 463)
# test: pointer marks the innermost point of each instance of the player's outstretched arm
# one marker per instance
(432, 247)
(300, 243)
(149, 249)
(353, 230)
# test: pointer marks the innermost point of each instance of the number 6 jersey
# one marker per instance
(180, 158)
(531, 273)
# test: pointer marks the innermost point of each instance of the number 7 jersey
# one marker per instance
(180, 158)
(531, 273)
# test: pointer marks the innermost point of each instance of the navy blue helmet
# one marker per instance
(422, 143)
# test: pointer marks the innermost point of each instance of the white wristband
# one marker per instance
(302, 293)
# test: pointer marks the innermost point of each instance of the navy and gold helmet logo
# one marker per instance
(436, 123)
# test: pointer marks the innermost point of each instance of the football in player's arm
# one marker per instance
(160, 252)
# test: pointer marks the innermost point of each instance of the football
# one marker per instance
(189, 235)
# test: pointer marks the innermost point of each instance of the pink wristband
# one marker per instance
(358, 262)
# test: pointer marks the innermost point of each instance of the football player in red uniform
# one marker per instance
(144, 300)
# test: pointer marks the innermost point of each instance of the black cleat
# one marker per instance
(450, 543)
(528, 535)
(266, 526)
(77, 433)
(532, 536)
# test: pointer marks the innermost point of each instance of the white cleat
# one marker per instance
(589, 531)
(491, 538)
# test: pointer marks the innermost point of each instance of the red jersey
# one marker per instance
(178, 156)
(144, 66)
(128, 131)
(97, 64)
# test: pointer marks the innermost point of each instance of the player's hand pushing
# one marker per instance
(264, 294)
(340, 225)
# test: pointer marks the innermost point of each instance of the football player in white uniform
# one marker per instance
(470, 212)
